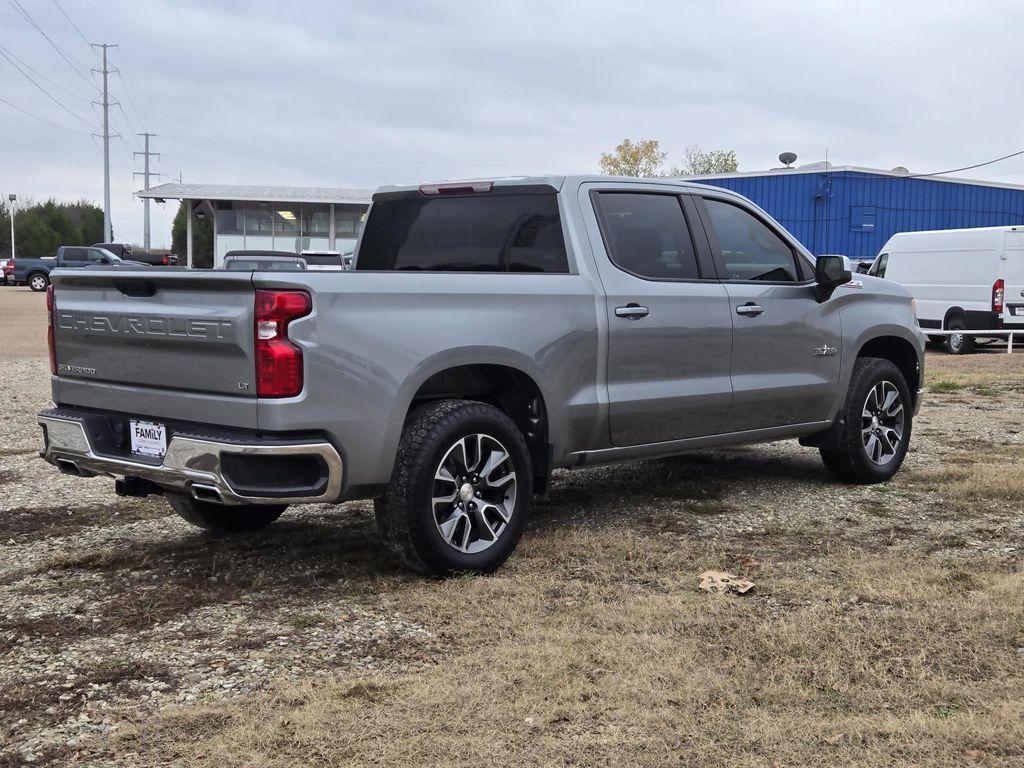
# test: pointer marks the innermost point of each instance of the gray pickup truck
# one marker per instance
(490, 332)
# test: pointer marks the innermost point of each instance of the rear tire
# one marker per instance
(221, 518)
(878, 409)
(460, 492)
(38, 281)
(958, 343)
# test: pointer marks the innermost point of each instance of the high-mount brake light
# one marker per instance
(998, 291)
(51, 318)
(278, 359)
(456, 188)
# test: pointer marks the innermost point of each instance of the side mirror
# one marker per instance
(829, 273)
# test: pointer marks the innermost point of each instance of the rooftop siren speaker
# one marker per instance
(787, 158)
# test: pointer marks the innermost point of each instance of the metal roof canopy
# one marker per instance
(247, 192)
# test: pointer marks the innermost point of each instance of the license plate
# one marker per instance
(148, 439)
(1018, 311)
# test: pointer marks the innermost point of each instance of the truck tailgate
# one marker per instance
(189, 332)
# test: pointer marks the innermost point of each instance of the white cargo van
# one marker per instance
(962, 279)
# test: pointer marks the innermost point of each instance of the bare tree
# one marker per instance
(698, 162)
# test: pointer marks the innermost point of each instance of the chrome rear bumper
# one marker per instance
(191, 466)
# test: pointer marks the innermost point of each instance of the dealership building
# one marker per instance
(853, 211)
(294, 219)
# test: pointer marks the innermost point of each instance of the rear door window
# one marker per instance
(647, 235)
(748, 249)
(74, 255)
(494, 232)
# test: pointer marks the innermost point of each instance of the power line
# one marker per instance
(17, 6)
(46, 92)
(71, 21)
(966, 167)
(131, 99)
(37, 117)
(37, 73)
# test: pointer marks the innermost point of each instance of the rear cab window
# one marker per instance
(647, 235)
(497, 231)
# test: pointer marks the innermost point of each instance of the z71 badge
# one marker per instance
(824, 351)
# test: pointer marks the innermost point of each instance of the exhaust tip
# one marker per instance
(206, 493)
(68, 467)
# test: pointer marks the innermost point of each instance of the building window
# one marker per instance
(862, 218)
(258, 221)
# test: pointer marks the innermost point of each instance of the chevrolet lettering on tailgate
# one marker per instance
(144, 326)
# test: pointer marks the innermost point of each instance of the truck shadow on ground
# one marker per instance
(335, 553)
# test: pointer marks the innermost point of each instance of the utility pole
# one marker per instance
(13, 198)
(107, 236)
(146, 154)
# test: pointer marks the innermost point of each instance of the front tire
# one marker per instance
(959, 343)
(38, 282)
(460, 492)
(222, 518)
(877, 418)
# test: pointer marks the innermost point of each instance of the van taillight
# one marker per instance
(51, 341)
(998, 290)
(278, 360)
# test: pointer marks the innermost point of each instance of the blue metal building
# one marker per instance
(853, 211)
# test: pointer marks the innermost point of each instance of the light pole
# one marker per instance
(12, 197)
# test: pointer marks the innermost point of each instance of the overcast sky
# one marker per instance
(360, 94)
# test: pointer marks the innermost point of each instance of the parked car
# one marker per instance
(36, 272)
(491, 332)
(327, 260)
(155, 258)
(862, 266)
(252, 261)
(962, 279)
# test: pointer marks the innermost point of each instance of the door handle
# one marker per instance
(750, 309)
(632, 311)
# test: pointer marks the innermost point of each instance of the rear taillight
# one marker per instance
(165, 260)
(278, 360)
(998, 290)
(51, 341)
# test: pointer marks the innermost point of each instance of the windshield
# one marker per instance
(114, 259)
(322, 259)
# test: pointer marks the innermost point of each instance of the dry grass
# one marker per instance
(597, 649)
(987, 474)
(985, 373)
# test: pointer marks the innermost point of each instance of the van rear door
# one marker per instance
(1011, 270)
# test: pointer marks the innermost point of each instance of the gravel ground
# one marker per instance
(114, 607)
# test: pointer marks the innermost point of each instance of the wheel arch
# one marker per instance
(512, 385)
(951, 313)
(899, 351)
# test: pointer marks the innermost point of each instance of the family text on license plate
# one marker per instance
(148, 439)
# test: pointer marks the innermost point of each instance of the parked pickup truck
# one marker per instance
(36, 272)
(490, 332)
